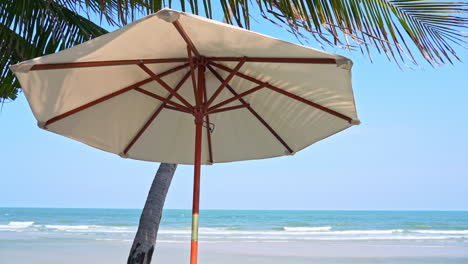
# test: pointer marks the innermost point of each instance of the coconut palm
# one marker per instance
(403, 30)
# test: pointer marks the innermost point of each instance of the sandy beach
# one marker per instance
(326, 252)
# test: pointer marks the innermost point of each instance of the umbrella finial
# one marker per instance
(344, 63)
(42, 124)
(168, 15)
(123, 155)
(21, 67)
(355, 122)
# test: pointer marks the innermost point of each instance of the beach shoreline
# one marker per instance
(324, 252)
(79, 236)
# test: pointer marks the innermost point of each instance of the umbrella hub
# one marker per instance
(201, 61)
(199, 113)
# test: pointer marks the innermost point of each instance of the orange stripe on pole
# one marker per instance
(194, 252)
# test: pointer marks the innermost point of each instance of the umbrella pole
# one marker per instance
(196, 193)
(199, 115)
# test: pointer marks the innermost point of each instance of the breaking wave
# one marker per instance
(305, 233)
(306, 229)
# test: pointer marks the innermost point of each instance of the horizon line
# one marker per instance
(240, 209)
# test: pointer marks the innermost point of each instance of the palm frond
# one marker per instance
(34, 28)
(12, 49)
(394, 27)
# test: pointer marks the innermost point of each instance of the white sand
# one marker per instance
(326, 252)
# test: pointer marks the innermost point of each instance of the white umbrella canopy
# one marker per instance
(146, 91)
(282, 125)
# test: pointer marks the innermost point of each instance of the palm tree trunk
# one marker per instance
(145, 238)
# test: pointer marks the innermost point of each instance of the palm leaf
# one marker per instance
(34, 28)
(388, 25)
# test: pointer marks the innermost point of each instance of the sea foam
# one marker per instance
(446, 232)
(306, 229)
(90, 229)
(16, 226)
(21, 224)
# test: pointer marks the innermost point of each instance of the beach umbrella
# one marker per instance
(178, 88)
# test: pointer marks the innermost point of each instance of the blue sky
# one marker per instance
(409, 153)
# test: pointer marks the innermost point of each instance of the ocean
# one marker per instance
(428, 235)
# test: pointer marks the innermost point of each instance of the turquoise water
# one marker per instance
(401, 227)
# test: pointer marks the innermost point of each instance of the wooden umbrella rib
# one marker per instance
(201, 89)
(55, 66)
(162, 99)
(257, 88)
(208, 135)
(186, 37)
(192, 73)
(111, 95)
(95, 102)
(288, 94)
(154, 115)
(253, 112)
(276, 60)
(177, 109)
(164, 85)
(208, 131)
(143, 129)
(225, 82)
(230, 108)
(272, 131)
(172, 70)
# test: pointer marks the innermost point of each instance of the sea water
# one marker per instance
(430, 227)
(258, 236)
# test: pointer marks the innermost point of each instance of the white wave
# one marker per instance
(360, 238)
(173, 241)
(206, 230)
(70, 227)
(297, 232)
(90, 229)
(445, 232)
(16, 226)
(366, 232)
(220, 234)
(21, 224)
(388, 238)
(305, 229)
(113, 239)
(176, 235)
